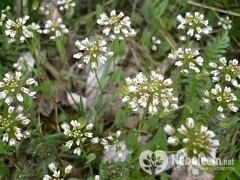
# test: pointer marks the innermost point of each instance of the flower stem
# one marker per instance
(140, 126)
(99, 84)
(85, 155)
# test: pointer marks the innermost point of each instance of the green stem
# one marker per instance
(30, 47)
(140, 126)
(14, 161)
(85, 155)
(98, 81)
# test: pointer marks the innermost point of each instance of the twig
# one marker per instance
(213, 8)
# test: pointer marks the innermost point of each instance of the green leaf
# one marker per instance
(159, 141)
(148, 10)
(159, 11)
(99, 10)
(4, 171)
(131, 140)
(215, 49)
(60, 47)
(120, 118)
(116, 76)
(82, 121)
(90, 157)
(145, 40)
(4, 149)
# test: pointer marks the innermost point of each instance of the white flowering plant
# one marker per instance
(88, 87)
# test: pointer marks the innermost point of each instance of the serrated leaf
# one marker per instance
(4, 171)
(4, 149)
(215, 49)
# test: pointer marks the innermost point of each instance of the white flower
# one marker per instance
(23, 64)
(97, 177)
(173, 140)
(57, 28)
(4, 15)
(194, 24)
(45, 8)
(35, 28)
(68, 169)
(77, 151)
(14, 86)
(152, 91)
(190, 122)
(182, 130)
(47, 177)
(155, 42)
(89, 126)
(52, 167)
(229, 71)
(226, 22)
(94, 52)
(187, 59)
(169, 130)
(95, 140)
(117, 26)
(56, 174)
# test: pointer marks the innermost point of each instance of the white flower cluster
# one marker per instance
(57, 173)
(65, 4)
(187, 59)
(56, 27)
(24, 64)
(222, 97)
(45, 8)
(78, 133)
(226, 22)
(11, 124)
(13, 86)
(155, 42)
(2, 18)
(17, 29)
(117, 26)
(33, 27)
(93, 52)
(152, 92)
(229, 71)
(197, 141)
(3, 15)
(195, 24)
(114, 148)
